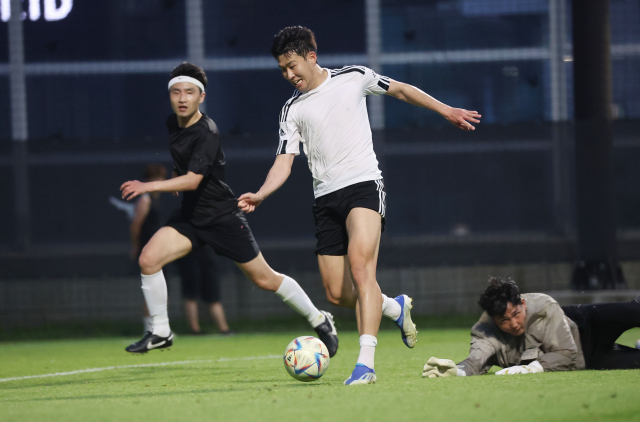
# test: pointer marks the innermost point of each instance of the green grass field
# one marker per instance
(242, 378)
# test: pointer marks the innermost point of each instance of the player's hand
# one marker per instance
(249, 201)
(133, 188)
(438, 368)
(533, 368)
(460, 118)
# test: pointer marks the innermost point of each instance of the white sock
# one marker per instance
(293, 295)
(390, 308)
(148, 323)
(368, 345)
(154, 288)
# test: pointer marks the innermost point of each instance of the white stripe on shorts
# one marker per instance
(381, 196)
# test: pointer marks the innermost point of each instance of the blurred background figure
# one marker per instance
(200, 277)
(198, 271)
(145, 222)
(146, 218)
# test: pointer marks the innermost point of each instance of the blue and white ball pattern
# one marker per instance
(306, 358)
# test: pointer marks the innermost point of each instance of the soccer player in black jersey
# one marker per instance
(209, 215)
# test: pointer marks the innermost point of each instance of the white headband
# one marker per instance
(186, 79)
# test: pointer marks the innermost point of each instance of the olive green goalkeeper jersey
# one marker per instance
(550, 338)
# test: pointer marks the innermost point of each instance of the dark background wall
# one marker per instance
(511, 178)
(500, 200)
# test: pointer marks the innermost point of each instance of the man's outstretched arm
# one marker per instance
(278, 174)
(187, 182)
(410, 94)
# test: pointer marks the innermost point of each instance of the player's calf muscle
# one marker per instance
(267, 282)
(261, 274)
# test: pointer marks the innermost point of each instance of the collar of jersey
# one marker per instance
(201, 119)
(316, 89)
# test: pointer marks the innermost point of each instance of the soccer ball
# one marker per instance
(306, 358)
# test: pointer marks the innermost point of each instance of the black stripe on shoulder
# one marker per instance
(285, 110)
(341, 69)
(354, 69)
(345, 69)
(383, 85)
(287, 106)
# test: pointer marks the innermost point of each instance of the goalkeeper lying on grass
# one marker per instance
(531, 333)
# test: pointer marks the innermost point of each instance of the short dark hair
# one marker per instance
(294, 39)
(154, 171)
(191, 70)
(500, 292)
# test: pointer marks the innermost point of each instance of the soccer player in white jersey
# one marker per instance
(328, 115)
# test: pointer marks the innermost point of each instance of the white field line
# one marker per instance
(144, 365)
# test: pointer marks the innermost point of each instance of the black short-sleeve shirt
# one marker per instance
(197, 149)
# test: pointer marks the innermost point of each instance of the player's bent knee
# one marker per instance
(338, 298)
(148, 263)
(332, 298)
(362, 274)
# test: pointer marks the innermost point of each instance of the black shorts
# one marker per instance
(600, 325)
(200, 276)
(330, 212)
(231, 237)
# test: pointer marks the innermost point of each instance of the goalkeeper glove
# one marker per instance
(437, 368)
(533, 368)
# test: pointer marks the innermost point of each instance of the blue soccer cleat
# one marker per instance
(361, 375)
(406, 325)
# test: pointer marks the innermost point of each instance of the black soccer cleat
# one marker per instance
(150, 341)
(328, 334)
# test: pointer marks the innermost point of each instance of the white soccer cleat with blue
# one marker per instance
(406, 325)
(361, 375)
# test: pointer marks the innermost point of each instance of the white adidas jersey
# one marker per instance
(332, 124)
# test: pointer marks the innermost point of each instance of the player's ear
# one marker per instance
(202, 95)
(312, 57)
